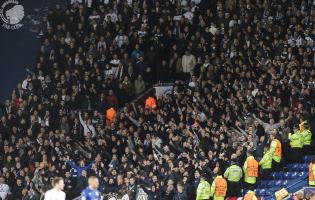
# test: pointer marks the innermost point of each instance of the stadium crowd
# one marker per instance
(243, 74)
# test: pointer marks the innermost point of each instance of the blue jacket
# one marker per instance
(88, 194)
(79, 169)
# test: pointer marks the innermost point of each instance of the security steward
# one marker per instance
(234, 175)
(306, 137)
(296, 145)
(218, 188)
(276, 151)
(203, 189)
(266, 164)
(250, 169)
(150, 103)
(250, 195)
(110, 115)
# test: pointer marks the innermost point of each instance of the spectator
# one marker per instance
(139, 85)
(188, 63)
(4, 188)
(111, 98)
(89, 130)
(181, 193)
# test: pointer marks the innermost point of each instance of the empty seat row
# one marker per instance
(262, 192)
(287, 175)
(297, 167)
(273, 183)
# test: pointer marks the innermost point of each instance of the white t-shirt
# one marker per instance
(54, 194)
(4, 190)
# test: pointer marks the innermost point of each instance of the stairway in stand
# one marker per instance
(294, 177)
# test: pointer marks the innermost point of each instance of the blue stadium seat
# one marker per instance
(279, 175)
(271, 184)
(290, 165)
(300, 174)
(287, 175)
(304, 167)
(285, 183)
(308, 159)
(263, 184)
(261, 192)
(294, 175)
(293, 168)
(273, 175)
(268, 193)
(300, 167)
(278, 183)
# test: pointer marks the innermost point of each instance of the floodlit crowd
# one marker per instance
(243, 98)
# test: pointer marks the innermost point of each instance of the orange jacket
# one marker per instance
(310, 172)
(252, 168)
(150, 103)
(278, 151)
(110, 115)
(220, 187)
(248, 196)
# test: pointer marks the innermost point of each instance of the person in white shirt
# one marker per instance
(56, 193)
(4, 189)
(188, 62)
(121, 39)
(88, 128)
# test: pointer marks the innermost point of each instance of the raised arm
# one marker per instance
(89, 165)
(81, 120)
(264, 124)
(72, 164)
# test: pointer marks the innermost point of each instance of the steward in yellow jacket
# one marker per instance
(266, 164)
(296, 145)
(203, 189)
